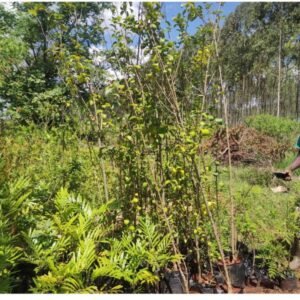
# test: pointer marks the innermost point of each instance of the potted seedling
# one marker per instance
(288, 281)
(236, 271)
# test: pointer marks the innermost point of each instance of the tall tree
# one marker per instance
(34, 89)
(258, 63)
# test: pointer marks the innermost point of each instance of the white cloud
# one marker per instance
(143, 58)
(8, 6)
(98, 54)
(114, 75)
(131, 10)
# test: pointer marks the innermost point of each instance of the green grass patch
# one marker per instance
(283, 129)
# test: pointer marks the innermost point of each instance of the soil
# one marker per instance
(263, 290)
(247, 146)
(251, 287)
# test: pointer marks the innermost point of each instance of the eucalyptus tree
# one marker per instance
(257, 57)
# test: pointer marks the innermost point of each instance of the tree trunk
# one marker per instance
(279, 73)
(298, 90)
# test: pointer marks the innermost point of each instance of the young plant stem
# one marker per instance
(224, 100)
(102, 166)
(198, 207)
(214, 226)
(160, 191)
(198, 251)
(279, 72)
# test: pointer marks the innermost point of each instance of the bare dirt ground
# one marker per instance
(267, 287)
(262, 290)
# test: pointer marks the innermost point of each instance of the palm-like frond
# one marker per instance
(83, 258)
(73, 285)
(145, 276)
(12, 198)
(9, 255)
(136, 258)
(157, 245)
(67, 277)
(72, 253)
(110, 267)
(111, 290)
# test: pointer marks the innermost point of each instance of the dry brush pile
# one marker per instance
(247, 146)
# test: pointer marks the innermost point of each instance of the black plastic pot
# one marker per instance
(203, 288)
(237, 274)
(288, 284)
(219, 277)
(173, 282)
(208, 289)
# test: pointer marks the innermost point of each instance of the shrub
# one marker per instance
(267, 222)
(283, 129)
(51, 160)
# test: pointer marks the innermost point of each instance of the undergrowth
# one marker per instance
(283, 129)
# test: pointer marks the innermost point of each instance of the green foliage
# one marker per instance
(63, 245)
(71, 247)
(51, 159)
(266, 222)
(254, 175)
(276, 258)
(13, 199)
(254, 38)
(137, 257)
(120, 186)
(30, 85)
(283, 129)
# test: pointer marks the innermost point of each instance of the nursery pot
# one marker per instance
(288, 284)
(174, 282)
(236, 273)
(204, 288)
(208, 289)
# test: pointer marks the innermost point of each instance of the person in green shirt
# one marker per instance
(296, 163)
(295, 263)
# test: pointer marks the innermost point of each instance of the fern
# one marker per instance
(75, 285)
(67, 263)
(9, 256)
(72, 251)
(136, 258)
(12, 199)
(111, 290)
(145, 276)
(83, 259)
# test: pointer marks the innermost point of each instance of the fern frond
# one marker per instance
(114, 290)
(61, 199)
(145, 276)
(83, 258)
(107, 268)
(75, 285)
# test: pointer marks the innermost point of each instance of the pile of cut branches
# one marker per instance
(247, 146)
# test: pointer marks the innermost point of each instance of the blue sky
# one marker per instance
(171, 9)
